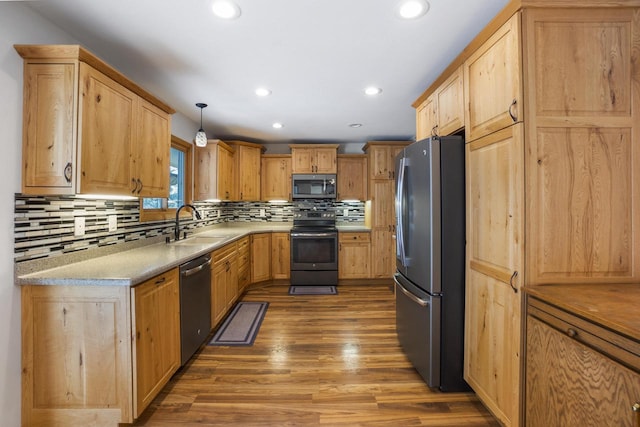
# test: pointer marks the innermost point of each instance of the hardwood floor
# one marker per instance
(317, 361)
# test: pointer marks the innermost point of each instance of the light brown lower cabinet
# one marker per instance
(260, 257)
(97, 355)
(572, 376)
(354, 254)
(244, 264)
(224, 281)
(280, 256)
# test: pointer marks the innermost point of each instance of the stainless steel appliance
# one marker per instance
(430, 211)
(314, 248)
(323, 186)
(195, 305)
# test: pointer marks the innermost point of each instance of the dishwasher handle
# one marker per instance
(196, 269)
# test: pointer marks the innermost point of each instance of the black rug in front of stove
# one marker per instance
(313, 290)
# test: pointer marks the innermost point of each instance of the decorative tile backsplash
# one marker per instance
(44, 225)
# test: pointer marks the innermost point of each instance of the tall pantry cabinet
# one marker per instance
(552, 129)
(381, 159)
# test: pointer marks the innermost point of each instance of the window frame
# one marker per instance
(147, 215)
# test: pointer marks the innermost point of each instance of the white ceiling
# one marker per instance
(316, 56)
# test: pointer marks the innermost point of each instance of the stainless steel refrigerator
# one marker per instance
(430, 243)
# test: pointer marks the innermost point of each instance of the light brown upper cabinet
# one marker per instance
(352, 177)
(492, 82)
(80, 114)
(246, 171)
(583, 145)
(442, 113)
(214, 171)
(276, 177)
(314, 158)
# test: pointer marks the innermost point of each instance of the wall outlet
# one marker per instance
(263, 213)
(78, 226)
(345, 212)
(113, 222)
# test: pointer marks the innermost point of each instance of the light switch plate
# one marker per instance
(113, 222)
(78, 226)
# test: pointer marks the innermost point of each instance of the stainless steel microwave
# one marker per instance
(318, 186)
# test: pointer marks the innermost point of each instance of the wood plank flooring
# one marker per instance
(317, 361)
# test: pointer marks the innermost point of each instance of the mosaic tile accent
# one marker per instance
(44, 225)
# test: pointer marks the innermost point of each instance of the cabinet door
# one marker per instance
(355, 253)
(280, 256)
(260, 257)
(583, 156)
(276, 178)
(352, 178)
(325, 160)
(495, 202)
(107, 118)
(492, 82)
(248, 172)
(150, 163)
(569, 384)
(218, 292)
(383, 203)
(383, 260)
(157, 336)
(225, 173)
(379, 164)
(49, 129)
(302, 160)
(426, 119)
(206, 174)
(450, 104)
(231, 270)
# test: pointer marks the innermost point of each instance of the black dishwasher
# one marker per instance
(195, 305)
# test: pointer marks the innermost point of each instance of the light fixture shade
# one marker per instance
(201, 136)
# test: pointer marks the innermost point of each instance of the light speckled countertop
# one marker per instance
(134, 266)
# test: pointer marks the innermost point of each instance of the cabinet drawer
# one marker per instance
(354, 237)
(224, 253)
(613, 345)
(243, 245)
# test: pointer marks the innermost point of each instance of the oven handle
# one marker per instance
(302, 234)
(411, 296)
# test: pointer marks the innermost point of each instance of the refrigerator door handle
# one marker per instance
(411, 296)
(400, 213)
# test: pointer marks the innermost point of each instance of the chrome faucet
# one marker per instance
(176, 231)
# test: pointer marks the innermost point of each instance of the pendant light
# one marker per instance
(201, 136)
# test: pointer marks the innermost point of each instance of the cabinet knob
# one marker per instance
(636, 414)
(572, 332)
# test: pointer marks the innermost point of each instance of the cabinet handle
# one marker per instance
(513, 276)
(135, 185)
(161, 280)
(140, 183)
(434, 131)
(340, 249)
(636, 413)
(511, 107)
(572, 333)
(67, 172)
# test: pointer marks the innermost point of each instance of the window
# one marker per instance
(154, 209)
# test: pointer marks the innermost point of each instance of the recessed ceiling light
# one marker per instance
(225, 9)
(355, 125)
(412, 9)
(263, 91)
(277, 125)
(371, 90)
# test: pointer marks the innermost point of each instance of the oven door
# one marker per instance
(314, 250)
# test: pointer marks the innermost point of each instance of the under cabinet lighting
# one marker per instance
(104, 197)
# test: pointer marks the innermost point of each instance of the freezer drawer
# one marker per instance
(418, 328)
